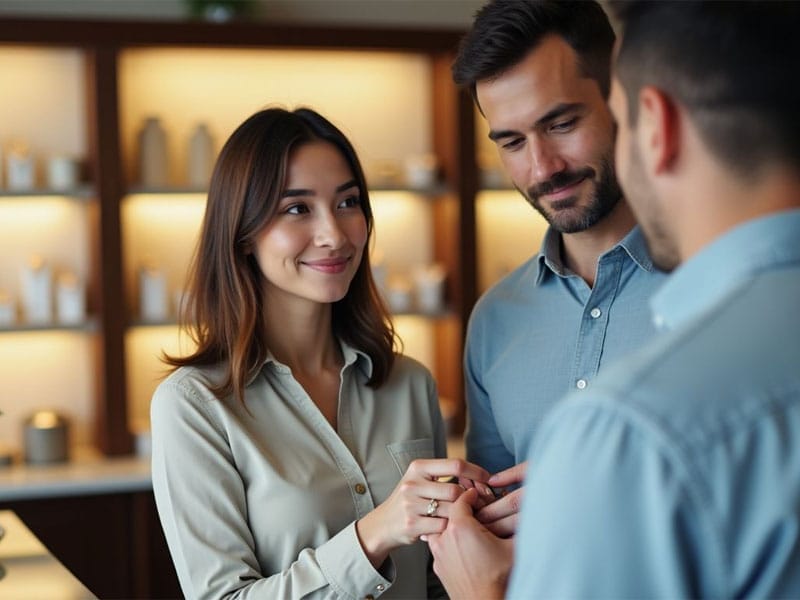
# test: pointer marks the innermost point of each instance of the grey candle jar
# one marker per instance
(46, 438)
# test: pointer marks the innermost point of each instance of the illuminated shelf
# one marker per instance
(153, 323)
(81, 192)
(167, 190)
(435, 190)
(88, 326)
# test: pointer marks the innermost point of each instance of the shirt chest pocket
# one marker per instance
(403, 453)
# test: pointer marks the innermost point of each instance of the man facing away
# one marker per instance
(678, 473)
(539, 73)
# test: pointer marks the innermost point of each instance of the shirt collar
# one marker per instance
(549, 257)
(725, 263)
(351, 356)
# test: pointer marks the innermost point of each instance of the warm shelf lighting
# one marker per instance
(45, 106)
(361, 92)
(61, 233)
(417, 336)
(509, 232)
(403, 229)
(67, 359)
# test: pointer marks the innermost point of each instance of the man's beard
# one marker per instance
(562, 216)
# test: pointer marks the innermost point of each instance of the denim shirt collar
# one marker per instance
(727, 262)
(549, 257)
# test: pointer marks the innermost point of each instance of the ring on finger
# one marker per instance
(432, 506)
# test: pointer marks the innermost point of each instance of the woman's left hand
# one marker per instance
(419, 505)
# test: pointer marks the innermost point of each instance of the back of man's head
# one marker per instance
(733, 65)
(505, 31)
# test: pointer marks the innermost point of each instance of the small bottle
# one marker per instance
(70, 299)
(152, 153)
(153, 306)
(37, 291)
(20, 168)
(200, 157)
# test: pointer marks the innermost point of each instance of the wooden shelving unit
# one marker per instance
(102, 44)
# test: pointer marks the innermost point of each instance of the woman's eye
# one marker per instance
(350, 202)
(295, 209)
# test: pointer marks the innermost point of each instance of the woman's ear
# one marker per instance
(658, 130)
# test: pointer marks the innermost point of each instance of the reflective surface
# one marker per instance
(28, 570)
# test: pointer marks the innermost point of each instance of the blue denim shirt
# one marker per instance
(677, 474)
(541, 332)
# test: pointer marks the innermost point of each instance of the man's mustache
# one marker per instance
(560, 180)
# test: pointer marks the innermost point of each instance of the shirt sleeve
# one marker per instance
(202, 506)
(608, 512)
(482, 440)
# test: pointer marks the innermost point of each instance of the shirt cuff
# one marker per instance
(347, 568)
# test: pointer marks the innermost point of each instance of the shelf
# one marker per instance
(435, 190)
(83, 192)
(90, 326)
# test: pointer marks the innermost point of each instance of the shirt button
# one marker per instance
(361, 488)
(380, 587)
(369, 597)
(580, 384)
(596, 312)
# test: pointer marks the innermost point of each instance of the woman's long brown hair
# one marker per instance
(224, 311)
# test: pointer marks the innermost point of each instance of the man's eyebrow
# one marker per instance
(557, 111)
(294, 192)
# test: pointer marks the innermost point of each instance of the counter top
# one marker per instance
(86, 474)
(28, 570)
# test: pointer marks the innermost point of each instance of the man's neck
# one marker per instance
(580, 251)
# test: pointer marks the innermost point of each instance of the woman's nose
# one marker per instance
(328, 232)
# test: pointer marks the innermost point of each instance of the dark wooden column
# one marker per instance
(454, 144)
(111, 432)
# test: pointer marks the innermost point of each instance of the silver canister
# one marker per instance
(46, 437)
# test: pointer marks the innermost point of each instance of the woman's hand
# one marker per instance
(419, 505)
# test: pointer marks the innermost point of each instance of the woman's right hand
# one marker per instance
(403, 516)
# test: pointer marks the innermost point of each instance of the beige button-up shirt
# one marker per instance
(261, 500)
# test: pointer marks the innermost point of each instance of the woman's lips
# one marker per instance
(328, 265)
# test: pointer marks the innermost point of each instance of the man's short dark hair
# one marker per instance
(505, 31)
(732, 65)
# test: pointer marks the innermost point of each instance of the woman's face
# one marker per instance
(312, 246)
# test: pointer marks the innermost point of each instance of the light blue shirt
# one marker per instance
(541, 332)
(678, 474)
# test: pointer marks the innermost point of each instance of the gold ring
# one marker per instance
(432, 506)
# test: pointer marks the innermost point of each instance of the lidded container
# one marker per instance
(46, 434)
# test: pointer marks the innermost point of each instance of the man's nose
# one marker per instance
(545, 160)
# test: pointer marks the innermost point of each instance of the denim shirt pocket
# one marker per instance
(404, 452)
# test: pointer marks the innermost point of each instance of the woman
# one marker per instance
(294, 453)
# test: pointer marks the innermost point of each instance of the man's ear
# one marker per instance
(659, 129)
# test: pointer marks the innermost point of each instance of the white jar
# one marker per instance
(62, 173)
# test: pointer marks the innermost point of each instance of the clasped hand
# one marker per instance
(474, 553)
(420, 504)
